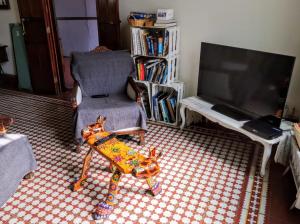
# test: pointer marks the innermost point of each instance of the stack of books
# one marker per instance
(152, 70)
(165, 18)
(164, 106)
(165, 23)
(150, 42)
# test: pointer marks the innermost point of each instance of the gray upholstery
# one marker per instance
(120, 111)
(102, 73)
(16, 160)
(105, 73)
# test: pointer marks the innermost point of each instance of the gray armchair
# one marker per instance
(104, 86)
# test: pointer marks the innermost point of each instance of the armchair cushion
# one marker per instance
(121, 113)
(104, 73)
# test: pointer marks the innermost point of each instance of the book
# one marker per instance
(165, 14)
(142, 40)
(142, 71)
(165, 21)
(145, 105)
(160, 46)
(156, 110)
(142, 15)
(138, 42)
(166, 25)
(148, 39)
(171, 109)
(173, 103)
(145, 34)
(164, 110)
(166, 43)
(165, 76)
(134, 41)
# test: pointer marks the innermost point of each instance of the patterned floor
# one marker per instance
(206, 178)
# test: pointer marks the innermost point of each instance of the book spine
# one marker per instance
(138, 71)
(164, 111)
(165, 14)
(149, 44)
(173, 104)
(142, 71)
(141, 36)
(170, 51)
(160, 46)
(173, 40)
(166, 43)
(171, 111)
(155, 46)
(146, 44)
(139, 49)
(155, 107)
(142, 15)
(134, 41)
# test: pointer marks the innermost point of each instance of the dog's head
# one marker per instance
(149, 167)
(93, 128)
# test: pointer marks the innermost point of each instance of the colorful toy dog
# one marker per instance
(123, 160)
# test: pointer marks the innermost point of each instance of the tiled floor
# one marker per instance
(281, 195)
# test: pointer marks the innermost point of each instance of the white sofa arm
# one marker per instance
(76, 96)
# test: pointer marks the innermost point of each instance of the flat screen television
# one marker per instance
(252, 82)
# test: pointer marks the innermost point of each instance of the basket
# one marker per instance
(132, 21)
(149, 22)
(297, 132)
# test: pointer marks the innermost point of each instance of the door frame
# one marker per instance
(54, 47)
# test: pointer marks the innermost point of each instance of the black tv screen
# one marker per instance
(253, 82)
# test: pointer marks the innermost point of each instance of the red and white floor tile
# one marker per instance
(205, 178)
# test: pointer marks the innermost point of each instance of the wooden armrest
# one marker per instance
(136, 89)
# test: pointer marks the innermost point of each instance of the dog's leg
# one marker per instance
(105, 208)
(84, 173)
(112, 168)
(154, 188)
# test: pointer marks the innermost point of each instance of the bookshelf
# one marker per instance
(155, 51)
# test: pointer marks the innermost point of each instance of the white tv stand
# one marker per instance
(204, 108)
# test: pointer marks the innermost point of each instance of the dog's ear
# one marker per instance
(152, 152)
(101, 118)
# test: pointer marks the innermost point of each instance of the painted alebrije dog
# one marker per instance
(123, 160)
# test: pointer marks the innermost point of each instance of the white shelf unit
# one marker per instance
(151, 46)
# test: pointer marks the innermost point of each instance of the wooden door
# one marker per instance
(41, 45)
(109, 23)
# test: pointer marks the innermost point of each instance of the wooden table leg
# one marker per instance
(28, 176)
(84, 173)
(142, 138)
(182, 114)
(266, 156)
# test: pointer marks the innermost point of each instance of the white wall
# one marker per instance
(267, 25)
(6, 17)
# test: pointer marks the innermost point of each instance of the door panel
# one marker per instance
(32, 27)
(39, 36)
(30, 8)
(40, 70)
(109, 23)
